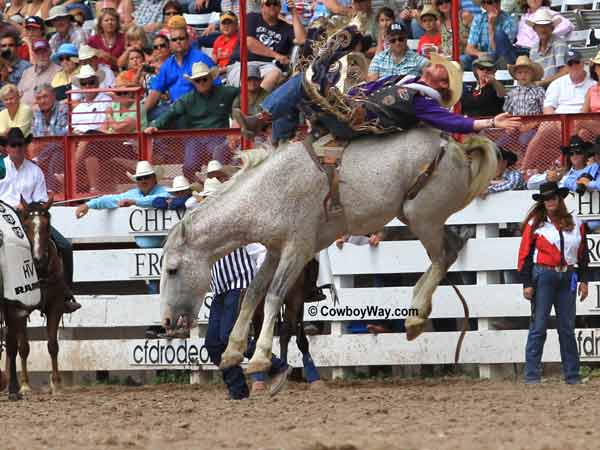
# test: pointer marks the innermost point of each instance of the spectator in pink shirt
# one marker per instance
(526, 36)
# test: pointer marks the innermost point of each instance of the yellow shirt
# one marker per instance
(62, 79)
(22, 120)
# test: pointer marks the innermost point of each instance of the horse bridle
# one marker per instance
(45, 261)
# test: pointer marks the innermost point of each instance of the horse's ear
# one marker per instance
(50, 201)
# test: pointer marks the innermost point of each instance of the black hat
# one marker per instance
(596, 147)
(574, 55)
(509, 157)
(576, 145)
(398, 28)
(34, 22)
(549, 190)
(15, 137)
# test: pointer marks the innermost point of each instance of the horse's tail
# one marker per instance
(483, 162)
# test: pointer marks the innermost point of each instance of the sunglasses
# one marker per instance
(272, 3)
(16, 145)
(143, 178)
(179, 39)
(572, 63)
(159, 46)
(203, 79)
(170, 13)
(7, 45)
(65, 58)
(84, 83)
(394, 40)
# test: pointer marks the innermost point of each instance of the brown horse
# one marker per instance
(48, 263)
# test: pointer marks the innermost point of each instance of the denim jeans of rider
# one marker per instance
(66, 250)
(552, 289)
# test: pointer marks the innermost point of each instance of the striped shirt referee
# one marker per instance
(235, 270)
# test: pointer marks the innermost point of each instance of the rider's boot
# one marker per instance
(251, 125)
(71, 305)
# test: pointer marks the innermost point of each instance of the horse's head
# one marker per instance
(36, 221)
(184, 280)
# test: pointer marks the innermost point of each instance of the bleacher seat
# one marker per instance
(590, 18)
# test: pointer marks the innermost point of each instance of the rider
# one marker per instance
(25, 180)
(390, 103)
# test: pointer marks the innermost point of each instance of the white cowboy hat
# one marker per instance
(524, 61)
(543, 16)
(142, 168)
(200, 70)
(57, 12)
(87, 71)
(211, 186)
(180, 183)
(455, 78)
(86, 52)
(214, 166)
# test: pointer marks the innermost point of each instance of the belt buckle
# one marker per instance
(561, 268)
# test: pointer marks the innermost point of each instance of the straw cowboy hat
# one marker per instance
(455, 77)
(550, 190)
(524, 61)
(543, 16)
(595, 59)
(200, 70)
(180, 183)
(86, 52)
(85, 72)
(142, 169)
(211, 186)
(57, 12)
(429, 10)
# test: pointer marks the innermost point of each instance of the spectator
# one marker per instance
(385, 18)
(16, 113)
(122, 114)
(492, 33)
(66, 30)
(66, 56)
(8, 47)
(137, 70)
(208, 106)
(464, 25)
(565, 95)
(80, 12)
(153, 16)
(550, 51)
(161, 50)
(135, 38)
(526, 98)
(49, 119)
(89, 114)
(592, 97)
(109, 41)
(170, 78)
(256, 94)
(181, 192)
(553, 242)
(225, 44)
(269, 38)
(526, 35)
(39, 8)
(34, 30)
(173, 9)
(122, 8)
(398, 59)
(41, 72)
(507, 178)
(89, 56)
(431, 39)
(487, 97)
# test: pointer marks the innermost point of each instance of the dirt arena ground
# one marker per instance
(370, 415)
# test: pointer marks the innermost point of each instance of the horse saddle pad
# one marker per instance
(19, 277)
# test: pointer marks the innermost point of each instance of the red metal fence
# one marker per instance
(78, 166)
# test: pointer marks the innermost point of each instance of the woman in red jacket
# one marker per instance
(553, 260)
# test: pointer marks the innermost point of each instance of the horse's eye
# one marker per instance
(172, 272)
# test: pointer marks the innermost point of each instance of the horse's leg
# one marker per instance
(23, 345)
(290, 266)
(238, 339)
(442, 246)
(11, 351)
(54, 314)
(289, 322)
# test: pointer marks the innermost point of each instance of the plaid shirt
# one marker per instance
(55, 126)
(384, 65)
(513, 181)
(554, 58)
(76, 37)
(525, 101)
(149, 11)
(479, 36)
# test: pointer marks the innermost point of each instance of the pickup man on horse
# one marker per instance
(25, 180)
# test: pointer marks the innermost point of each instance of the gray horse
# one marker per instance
(276, 199)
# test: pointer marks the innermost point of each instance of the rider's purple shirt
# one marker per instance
(429, 111)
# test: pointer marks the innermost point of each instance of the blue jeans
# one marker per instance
(504, 49)
(416, 30)
(223, 314)
(200, 150)
(66, 251)
(552, 289)
(282, 104)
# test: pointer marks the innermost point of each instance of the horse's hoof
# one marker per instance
(414, 327)
(258, 365)
(25, 388)
(230, 359)
(3, 381)
(15, 396)
(317, 385)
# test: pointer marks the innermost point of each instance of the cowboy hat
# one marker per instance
(429, 10)
(15, 136)
(180, 183)
(57, 12)
(211, 186)
(200, 70)
(576, 145)
(524, 61)
(215, 166)
(543, 16)
(508, 156)
(86, 52)
(549, 190)
(66, 49)
(142, 169)
(85, 72)
(455, 78)
(595, 59)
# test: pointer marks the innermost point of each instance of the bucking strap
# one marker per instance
(424, 176)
